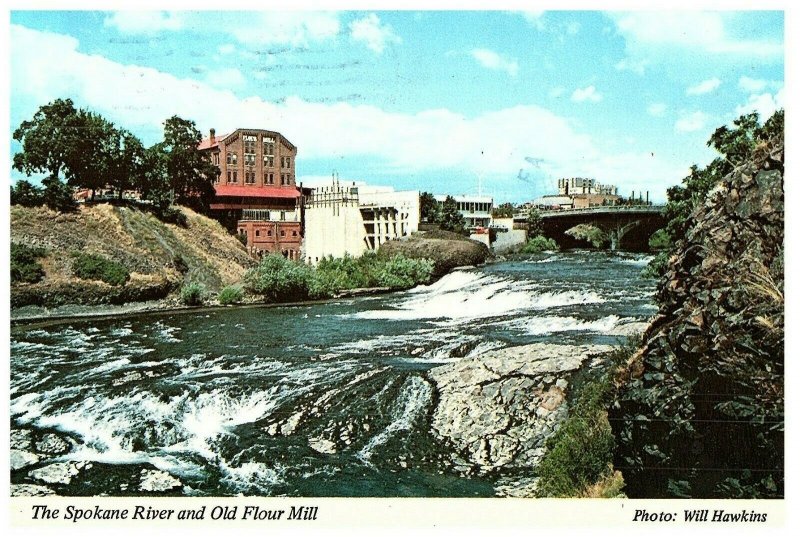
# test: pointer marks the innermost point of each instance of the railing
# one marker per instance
(598, 209)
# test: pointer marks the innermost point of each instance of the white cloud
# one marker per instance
(755, 85)
(657, 109)
(226, 49)
(706, 86)
(229, 77)
(683, 38)
(573, 28)
(47, 66)
(691, 122)
(296, 28)
(765, 104)
(493, 60)
(372, 33)
(144, 22)
(627, 64)
(588, 93)
(534, 17)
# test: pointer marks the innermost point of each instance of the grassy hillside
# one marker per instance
(160, 257)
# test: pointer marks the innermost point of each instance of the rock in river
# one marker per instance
(499, 409)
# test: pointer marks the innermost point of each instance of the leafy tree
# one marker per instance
(57, 195)
(428, 207)
(535, 223)
(49, 140)
(126, 167)
(451, 219)
(95, 150)
(153, 182)
(734, 146)
(191, 174)
(504, 210)
(26, 194)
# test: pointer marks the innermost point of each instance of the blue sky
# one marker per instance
(430, 100)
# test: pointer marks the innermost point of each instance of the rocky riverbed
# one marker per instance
(498, 409)
(41, 466)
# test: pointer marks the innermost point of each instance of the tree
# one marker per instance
(153, 183)
(126, 167)
(57, 195)
(535, 223)
(504, 210)
(26, 194)
(451, 219)
(735, 145)
(50, 140)
(191, 174)
(94, 153)
(428, 207)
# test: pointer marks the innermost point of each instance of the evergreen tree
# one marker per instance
(428, 207)
(191, 174)
(451, 219)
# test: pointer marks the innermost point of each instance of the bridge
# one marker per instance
(628, 226)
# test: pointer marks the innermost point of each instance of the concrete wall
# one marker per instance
(333, 231)
(509, 241)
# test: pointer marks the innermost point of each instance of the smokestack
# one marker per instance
(213, 136)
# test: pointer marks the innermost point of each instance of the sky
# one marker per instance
(500, 103)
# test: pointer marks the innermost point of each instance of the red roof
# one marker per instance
(257, 191)
(206, 142)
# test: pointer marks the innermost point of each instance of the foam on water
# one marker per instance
(414, 397)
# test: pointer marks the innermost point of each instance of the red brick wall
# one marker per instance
(235, 144)
(276, 237)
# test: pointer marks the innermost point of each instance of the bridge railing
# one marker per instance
(598, 209)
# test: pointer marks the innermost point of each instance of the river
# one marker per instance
(325, 399)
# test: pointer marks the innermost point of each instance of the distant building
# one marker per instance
(572, 186)
(476, 210)
(354, 219)
(256, 194)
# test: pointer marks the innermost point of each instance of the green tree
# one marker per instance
(50, 140)
(190, 173)
(535, 223)
(94, 152)
(58, 195)
(126, 167)
(734, 146)
(451, 219)
(428, 207)
(26, 194)
(504, 210)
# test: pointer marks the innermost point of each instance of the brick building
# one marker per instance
(256, 192)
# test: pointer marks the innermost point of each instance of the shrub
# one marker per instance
(231, 294)
(589, 233)
(278, 279)
(25, 267)
(95, 267)
(193, 294)
(400, 272)
(26, 194)
(539, 244)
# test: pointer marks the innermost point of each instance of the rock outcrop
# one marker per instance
(499, 409)
(446, 250)
(705, 393)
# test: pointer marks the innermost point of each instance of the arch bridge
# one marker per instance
(628, 226)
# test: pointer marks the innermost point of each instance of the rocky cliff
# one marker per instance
(700, 409)
(159, 256)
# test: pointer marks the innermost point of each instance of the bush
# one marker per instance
(231, 294)
(589, 233)
(193, 294)
(95, 267)
(25, 267)
(278, 279)
(579, 456)
(400, 272)
(26, 194)
(539, 244)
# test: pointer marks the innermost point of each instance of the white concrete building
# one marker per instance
(476, 210)
(356, 218)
